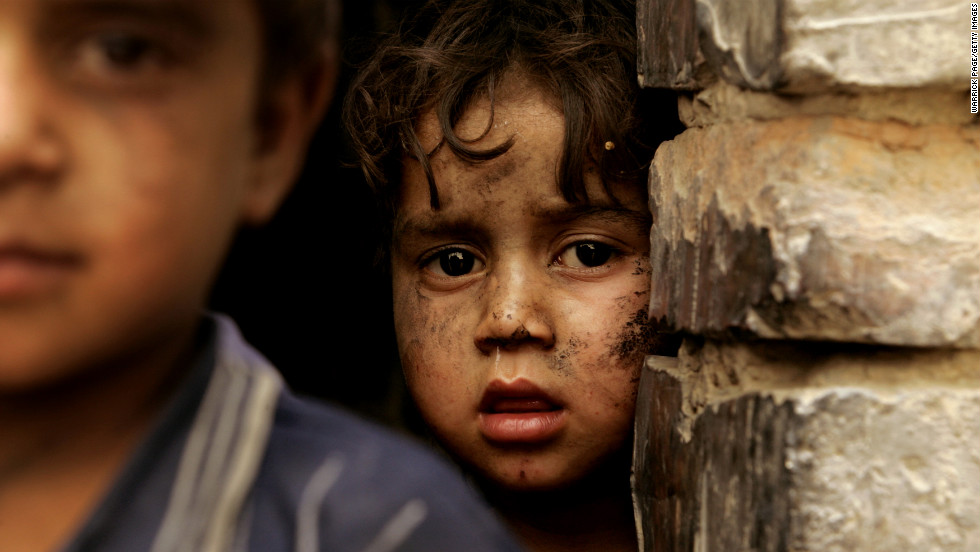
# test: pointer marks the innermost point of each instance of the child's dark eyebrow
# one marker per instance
(435, 227)
(615, 213)
(186, 15)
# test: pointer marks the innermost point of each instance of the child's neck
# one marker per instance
(593, 515)
(62, 446)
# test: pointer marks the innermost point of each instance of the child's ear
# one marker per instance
(289, 113)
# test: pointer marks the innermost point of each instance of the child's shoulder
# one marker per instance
(362, 481)
(349, 484)
(370, 460)
(236, 462)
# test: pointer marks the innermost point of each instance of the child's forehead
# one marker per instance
(148, 4)
(193, 15)
(491, 195)
(524, 119)
(490, 114)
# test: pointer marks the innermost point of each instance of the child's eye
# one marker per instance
(123, 51)
(122, 60)
(120, 53)
(453, 262)
(586, 254)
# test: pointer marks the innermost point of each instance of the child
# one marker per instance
(135, 137)
(505, 139)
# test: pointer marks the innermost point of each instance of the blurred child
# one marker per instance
(506, 140)
(135, 137)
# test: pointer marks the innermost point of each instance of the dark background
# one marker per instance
(304, 289)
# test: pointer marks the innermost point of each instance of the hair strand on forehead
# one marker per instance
(450, 53)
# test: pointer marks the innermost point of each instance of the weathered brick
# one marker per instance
(722, 102)
(820, 228)
(804, 45)
(789, 446)
(873, 44)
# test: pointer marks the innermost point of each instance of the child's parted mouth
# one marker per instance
(514, 405)
(519, 395)
(519, 412)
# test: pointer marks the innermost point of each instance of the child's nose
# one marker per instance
(515, 312)
(28, 146)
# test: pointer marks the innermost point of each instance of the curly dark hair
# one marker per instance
(581, 51)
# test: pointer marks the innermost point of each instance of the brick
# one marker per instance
(804, 45)
(722, 102)
(819, 228)
(872, 44)
(774, 447)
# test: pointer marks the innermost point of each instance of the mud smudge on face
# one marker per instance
(641, 266)
(638, 337)
(440, 328)
(562, 362)
(504, 167)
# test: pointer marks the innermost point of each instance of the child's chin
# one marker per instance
(525, 479)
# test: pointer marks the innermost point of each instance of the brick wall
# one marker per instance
(817, 238)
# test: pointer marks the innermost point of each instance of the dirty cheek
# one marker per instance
(409, 313)
(426, 330)
(636, 339)
(564, 357)
(641, 267)
(629, 341)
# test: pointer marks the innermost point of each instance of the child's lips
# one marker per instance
(26, 272)
(519, 412)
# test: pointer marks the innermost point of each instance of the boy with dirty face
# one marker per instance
(506, 139)
(136, 136)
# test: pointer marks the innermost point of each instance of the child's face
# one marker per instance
(128, 155)
(520, 317)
